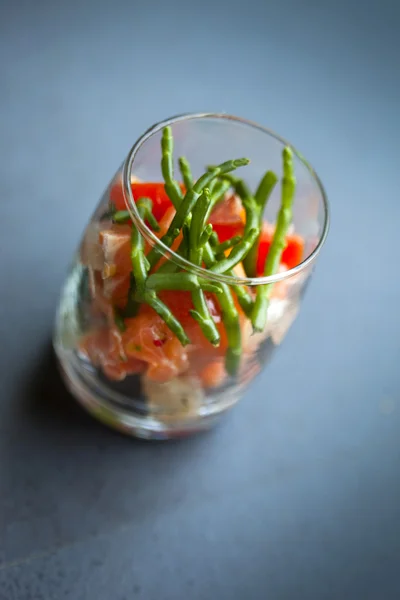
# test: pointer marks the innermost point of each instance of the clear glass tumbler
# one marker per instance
(137, 376)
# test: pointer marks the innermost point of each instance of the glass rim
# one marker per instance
(151, 238)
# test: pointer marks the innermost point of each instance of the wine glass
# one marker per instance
(135, 374)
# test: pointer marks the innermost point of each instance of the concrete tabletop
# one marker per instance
(296, 495)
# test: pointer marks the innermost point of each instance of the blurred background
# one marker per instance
(86, 514)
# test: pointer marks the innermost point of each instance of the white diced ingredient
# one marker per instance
(180, 398)
(282, 319)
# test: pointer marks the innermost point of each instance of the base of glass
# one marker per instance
(97, 400)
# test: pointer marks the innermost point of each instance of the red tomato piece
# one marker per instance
(180, 303)
(227, 231)
(293, 253)
(291, 256)
(153, 190)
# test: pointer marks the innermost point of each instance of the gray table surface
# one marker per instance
(297, 494)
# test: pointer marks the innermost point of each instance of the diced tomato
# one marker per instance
(293, 253)
(155, 191)
(263, 249)
(291, 256)
(180, 303)
(201, 350)
(225, 232)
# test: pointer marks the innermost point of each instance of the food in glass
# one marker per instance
(189, 274)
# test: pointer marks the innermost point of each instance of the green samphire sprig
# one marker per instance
(138, 291)
(284, 220)
(189, 200)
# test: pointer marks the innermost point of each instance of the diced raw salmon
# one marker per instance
(228, 218)
(147, 338)
(103, 348)
(213, 374)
